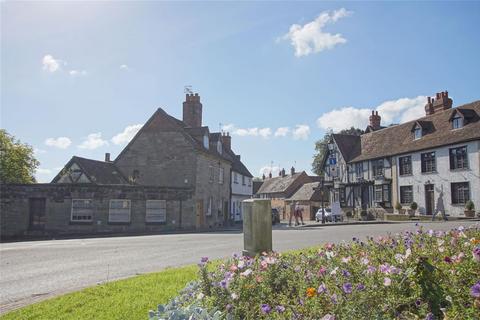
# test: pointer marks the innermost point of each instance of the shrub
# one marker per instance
(398, 206)
(414, 206)
(413, 275)
(469, 205)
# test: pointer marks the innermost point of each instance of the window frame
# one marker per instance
(402, 189)
(211, 174)
(455, 195)
(129, 210)
(426, 163)
(453, 156)
(401, 165)
(459, 120)
(417, 133)
(359, 170)
(161, 220)
(221, 175)
(81, 220)
(209, 206)
(378, 168)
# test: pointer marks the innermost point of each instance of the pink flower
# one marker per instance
(322, 271)
(387, 281)
(233, 268)
(346, 259)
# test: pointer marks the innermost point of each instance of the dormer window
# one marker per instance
(206, 141)
(417, 133)
(457, 122)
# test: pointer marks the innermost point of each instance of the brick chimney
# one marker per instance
(375, 120)
(283, 172)
(270, 175)
(227, 141)
(439, 103)
(192, 110)
(263, 176)
(292, 171)
(107, 157)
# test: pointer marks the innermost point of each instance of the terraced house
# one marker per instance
(433, 161)
(174, 174)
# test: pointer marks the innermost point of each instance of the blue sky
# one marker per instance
(78, 78)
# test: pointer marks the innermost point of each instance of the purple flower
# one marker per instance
(280, 309)
(204, 260)
(346, 273)
(429, 316)
(360, 287)
(223, 284)
(475, 290)
(266, 308)
(333, 298)
(371, 269)
(418, 302)
(447, 259)
(476, 253)
(228, 307)
(347, 287)
(322, 288)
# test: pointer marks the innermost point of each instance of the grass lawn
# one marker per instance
(124, 299)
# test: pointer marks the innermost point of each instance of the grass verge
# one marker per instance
(124, 299)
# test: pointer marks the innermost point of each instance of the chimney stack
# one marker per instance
(283, 172)
(270, 175)
(375, 120)
(441, 102)
(107, 157)
(263, 176)
(227, 141)
(192, 110)
(292, 170)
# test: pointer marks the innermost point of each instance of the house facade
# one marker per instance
(174, 174)
(433, 161)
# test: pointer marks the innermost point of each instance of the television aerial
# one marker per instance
(188, 89)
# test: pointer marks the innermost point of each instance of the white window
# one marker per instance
(209, 206)
(206, 142)
(243, 180)
(249, 182)
(457, 122)
(211, 173)
(220, 176)
(119, 210)
(156, 211)
(235, 177)
(418, 133)
(82, 210)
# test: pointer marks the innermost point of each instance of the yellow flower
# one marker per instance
(311, 292)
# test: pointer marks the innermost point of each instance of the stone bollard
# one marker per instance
(257, 226)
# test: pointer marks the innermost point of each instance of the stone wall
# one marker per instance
(15, 209)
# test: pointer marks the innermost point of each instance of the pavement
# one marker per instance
(36, 270)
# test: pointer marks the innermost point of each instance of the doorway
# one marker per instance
(37, 213)
(429, 199)
(200, 214)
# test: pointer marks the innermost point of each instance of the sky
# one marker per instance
(80, 78)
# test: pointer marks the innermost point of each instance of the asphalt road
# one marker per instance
(36, 270)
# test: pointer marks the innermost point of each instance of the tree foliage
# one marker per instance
(321, 147)
(17, 161)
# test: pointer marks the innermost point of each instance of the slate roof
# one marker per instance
(256, 185)
(278, 184)
(307, 193)
(398, 139)
(99, 172)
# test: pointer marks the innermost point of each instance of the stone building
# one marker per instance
(433, 161)
(173, 174)
(309, 198)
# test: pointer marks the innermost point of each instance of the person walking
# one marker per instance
(299, 213)
(440, 207)
(292, 214)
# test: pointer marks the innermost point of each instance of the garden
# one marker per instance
(423, 274)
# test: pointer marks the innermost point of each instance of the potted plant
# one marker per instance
(469, 209)
(413, 208)
(399, 208)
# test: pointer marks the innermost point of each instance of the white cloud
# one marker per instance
(38, 151)
(301, 132)
(282, 132)
(310, 38)
(244, 132)
(127, 134)
(267, 169)
(124, 67)
(75, 73)
(51, 64)
(401, 110)
(60, 142)
(43, 171)
(93, 141)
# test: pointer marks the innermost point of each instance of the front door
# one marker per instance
(429, 199)
(200, 214)
(37, 213)
(364, 196)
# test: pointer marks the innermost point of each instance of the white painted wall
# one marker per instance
(240, 191)
(443, 177)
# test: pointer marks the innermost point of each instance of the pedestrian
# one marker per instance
(292, 214)
(299, 213)
(440, 208)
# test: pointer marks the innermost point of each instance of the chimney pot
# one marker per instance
(107, 157)
(263, 176)
(292, 170)
(192, 111)
(270, 175)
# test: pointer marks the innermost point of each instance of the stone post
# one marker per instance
(257, 226)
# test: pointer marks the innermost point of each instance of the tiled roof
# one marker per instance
(349, 145)
(399, 139)
(99, 172)
(278, 184)
(307, 193)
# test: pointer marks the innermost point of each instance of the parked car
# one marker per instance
(329, 216)
(275, 216)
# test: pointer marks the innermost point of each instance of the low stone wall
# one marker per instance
(15, 202)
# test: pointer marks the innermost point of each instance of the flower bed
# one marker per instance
(413, 275)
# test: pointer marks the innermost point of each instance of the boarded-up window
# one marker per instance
(82, 210)
(119, 211)
(156, 211)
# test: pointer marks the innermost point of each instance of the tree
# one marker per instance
(17, 162)
(321, 147)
